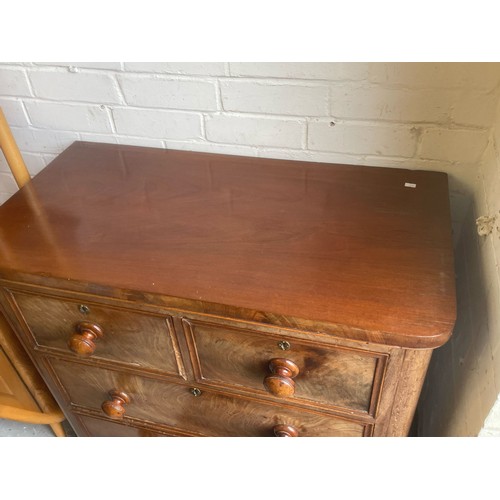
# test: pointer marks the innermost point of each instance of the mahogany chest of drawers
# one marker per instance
(170, 293)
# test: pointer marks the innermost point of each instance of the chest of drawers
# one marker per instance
(170, 293)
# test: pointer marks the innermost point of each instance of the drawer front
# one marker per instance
(140, 340)
(97, 427)
(239, 358)
(210, 413)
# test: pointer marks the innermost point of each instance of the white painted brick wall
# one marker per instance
(87, 65)
(14, 110)
(389, 104)
(413, 115)
(276, 99)
(179, 68)
(459, 145)
(33, 140)
(161, 92)
(62, 85)
(73, 117)
(435, 116)
(436, 75)
(364, 139)
(14, 82)
(157, 123)
(473, 108)
(492, 423)
(301, 70)
(471, 359)
(258, 131)
(7, 181)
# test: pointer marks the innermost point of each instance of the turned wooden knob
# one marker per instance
(283, 430)
(115, 407)
(82, 342)
(280, 382)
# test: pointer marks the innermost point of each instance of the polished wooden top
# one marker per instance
(334, 244)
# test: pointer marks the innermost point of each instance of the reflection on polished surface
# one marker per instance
(348, 244)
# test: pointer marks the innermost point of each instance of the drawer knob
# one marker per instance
(283, 430)
(115, 408)
(82, 342)
(280, 382)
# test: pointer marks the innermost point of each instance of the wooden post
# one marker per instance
(12, 153)
(32, 401)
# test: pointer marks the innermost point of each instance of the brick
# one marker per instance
(178, 68)
(252, 131)
(492, 421)
(361, 139)
(431, 75)
(301, 70)
(274, 99)
(496, 356)
(211, 147)
(122, 139)
(157, 123)
(4, 197)
(3, 163)
(495, 238)
(140, 141)
(14, 82)
(81, 87)
(493, 313)
(159, 92)
(490, 174)
(73, 117)
(496, 129)
(106, 138)
(85, 65)
(453, 144)
(49, 157)
(7, 183)
(480, 199)
(307, 155)
(474, 108)
(43, 141)
(14, 112)
(35, 163)
(489, 433)
(376, 103)
(16, 63)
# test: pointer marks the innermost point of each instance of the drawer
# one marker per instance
(323, 374)
(209, 413)
(97, 427)
(144, 341)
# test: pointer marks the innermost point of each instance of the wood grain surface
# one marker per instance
(329, 376)
(210, 413)
(146, 342)
(97, 427)
(343, 245)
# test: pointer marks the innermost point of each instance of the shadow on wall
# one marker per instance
(450, 404)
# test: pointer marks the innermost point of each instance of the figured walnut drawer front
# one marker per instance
(97, 427)
(140, 340)
(132, 399)
(239, 358)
